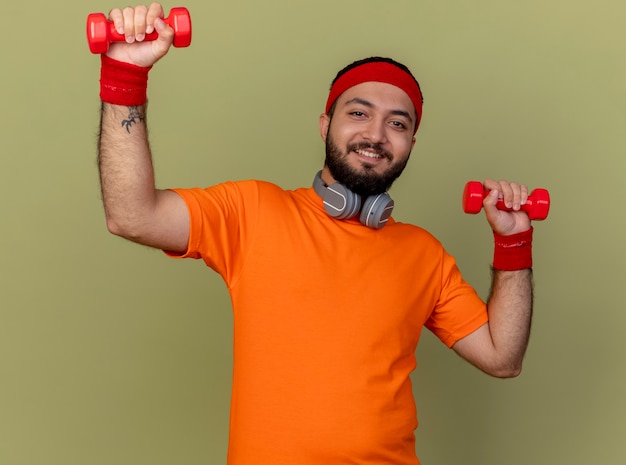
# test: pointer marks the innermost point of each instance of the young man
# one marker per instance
(329, 292)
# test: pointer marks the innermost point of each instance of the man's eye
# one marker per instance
(399, 124)
(357, 113)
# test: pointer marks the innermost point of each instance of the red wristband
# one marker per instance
(123, 83)
(515, 252)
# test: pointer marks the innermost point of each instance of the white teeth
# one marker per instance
(368, 154)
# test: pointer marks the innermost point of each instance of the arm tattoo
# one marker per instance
(134, 117)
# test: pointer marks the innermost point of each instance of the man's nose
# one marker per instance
(375, 132)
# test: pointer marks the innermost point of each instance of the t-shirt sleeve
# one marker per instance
(220, 219)
(459, 310)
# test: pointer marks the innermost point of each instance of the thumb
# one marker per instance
(489, 206)
(164, 40)
(490, 201)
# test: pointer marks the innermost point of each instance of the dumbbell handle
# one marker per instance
(537, 205)
(101, 32)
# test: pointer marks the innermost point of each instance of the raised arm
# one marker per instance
(498, 347)
(134, 208)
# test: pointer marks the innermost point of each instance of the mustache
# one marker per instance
(376, 148)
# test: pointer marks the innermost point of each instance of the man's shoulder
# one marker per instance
(256, 184)
(410, 229)
(266, 194)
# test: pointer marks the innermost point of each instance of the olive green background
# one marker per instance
(111, 353)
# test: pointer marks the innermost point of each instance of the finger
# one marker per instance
(524, 194)
(140, 22)
(516, 191)
(490, 201)
(495, 192)
(117, 18)
(507, 193)
(155, 11)
(520, 195)
(490, 184)
(129, 24)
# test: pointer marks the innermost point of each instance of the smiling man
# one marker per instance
(329, 292)
(388, 118)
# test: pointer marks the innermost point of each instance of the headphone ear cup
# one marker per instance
(376, 210)
(340, 202)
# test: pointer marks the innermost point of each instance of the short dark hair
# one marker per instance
(374, 59)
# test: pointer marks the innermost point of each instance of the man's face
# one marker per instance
(369, 137)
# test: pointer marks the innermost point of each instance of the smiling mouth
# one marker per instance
(370, 154)
(370, 151)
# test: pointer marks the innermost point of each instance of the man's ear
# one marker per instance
(324, 124)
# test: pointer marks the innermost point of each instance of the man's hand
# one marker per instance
(514, 196)
(134, 24)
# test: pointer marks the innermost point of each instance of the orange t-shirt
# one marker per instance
(327, 317)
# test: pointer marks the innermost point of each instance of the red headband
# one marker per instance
(378, 71)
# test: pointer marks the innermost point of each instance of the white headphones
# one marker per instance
(341, 203)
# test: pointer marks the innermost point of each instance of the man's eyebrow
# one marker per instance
(369, 104)
(406, 114)
(360, 101)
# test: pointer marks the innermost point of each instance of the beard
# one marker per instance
(364, 182)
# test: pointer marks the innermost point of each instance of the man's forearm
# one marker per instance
(510, 307)
(126, 172)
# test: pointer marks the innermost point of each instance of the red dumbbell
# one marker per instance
(537, 205)
(101, 32)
